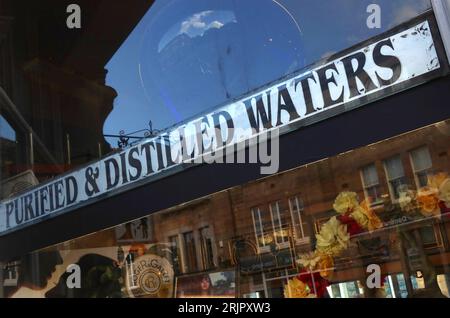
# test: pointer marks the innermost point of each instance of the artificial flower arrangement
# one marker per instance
(432, 200)
(332, 239)
(354, 218)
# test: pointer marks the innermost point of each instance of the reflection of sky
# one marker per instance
(6, 131)
(197, 25)
(184, 57)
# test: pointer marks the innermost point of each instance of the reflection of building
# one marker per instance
(56, 83)
(260, 228)
(198, 233)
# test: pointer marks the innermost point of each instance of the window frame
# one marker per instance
(279, 226)
(208, 259)
(176, 239)
(297, 214)
(379, 198)
(261, 247)
(187, 263)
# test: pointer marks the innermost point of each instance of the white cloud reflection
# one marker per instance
(197, 24)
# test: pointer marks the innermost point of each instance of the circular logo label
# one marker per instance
(150, 282)
(149, 276)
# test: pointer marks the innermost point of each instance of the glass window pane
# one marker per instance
(71, 97)
(198, 249)
(191, 252)
(175, 253)
(394, 168)
(370, 175)
(190, 57)
(421, 159)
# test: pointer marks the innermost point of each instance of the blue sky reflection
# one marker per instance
(185, 57)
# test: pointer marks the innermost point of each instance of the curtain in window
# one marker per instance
(394, 168)
(421, 159)
(370, 175)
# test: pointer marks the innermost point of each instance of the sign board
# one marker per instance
(381, 68)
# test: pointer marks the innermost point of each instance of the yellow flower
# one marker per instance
(444, 191)
(435, 181)
(373, 221)
(326, 266)
(346, 202)
(309, 260)
(333, 237)
(428, 201)
(295, 288)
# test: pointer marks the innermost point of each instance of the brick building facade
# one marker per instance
(290, 207)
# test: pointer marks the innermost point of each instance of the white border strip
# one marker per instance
(441, 10)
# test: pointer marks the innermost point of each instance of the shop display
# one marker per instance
(355, 218)
(200, 150)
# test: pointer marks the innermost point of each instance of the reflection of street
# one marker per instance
(67, 258)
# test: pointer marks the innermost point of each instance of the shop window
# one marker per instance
(345, 290)
(206, 245)
(371, 183)
(409, 245)
(190, 252)
(422, 164)
(186, 57)
(401, 283)
(430, 236)
(395, 174)
(175, 254)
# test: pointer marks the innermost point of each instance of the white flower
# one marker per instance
(309, 260)
(333, 237)
(346, 202)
